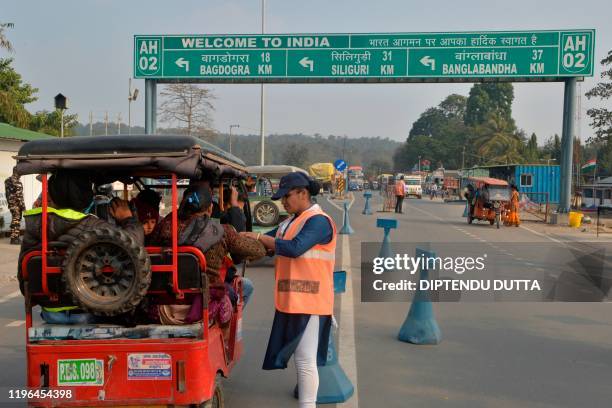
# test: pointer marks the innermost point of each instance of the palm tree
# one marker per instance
(497, 141)
(4, 42)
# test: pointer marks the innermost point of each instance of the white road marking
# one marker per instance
(347, 354)
(16, 323)
(540, 234)
(10, 296)
(426, 212)
(342, 208)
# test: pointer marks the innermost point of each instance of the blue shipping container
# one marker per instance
(539, 179)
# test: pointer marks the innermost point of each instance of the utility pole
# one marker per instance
(463, 158)
(90, 123)
(106, 123)
(262, 111)
(230, 136)
(119, 123)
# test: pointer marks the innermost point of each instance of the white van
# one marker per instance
(413, 186)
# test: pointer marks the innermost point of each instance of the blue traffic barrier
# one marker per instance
(334, 386)
(387, 224)
(367, 210)
(339, 281)
(346, 226)
(420, 326)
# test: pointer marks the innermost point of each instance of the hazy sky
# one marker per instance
(83, 48)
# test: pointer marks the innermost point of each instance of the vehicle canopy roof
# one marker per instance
(135, 155)
(488, 181)
(272, 171)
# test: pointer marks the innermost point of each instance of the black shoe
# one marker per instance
(15, 241)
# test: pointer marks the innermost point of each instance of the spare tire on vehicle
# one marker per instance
(106, 272)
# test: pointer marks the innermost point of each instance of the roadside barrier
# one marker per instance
(367, 210)
(389, 198)
(346, 226)
(387, 224)
(420, 326)
(334, 386)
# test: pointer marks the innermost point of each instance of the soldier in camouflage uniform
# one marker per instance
(14, 196)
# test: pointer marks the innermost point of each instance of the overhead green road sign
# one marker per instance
(393, 57)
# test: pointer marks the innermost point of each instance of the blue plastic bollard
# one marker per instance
(367, 210)
(387, 224)
(420, 326)
(339, 281)
(346, 227)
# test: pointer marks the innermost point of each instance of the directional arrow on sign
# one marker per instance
(306, 62)
(183, 63)
(428, 62)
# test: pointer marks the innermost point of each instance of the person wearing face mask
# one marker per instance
(70, 195)
(304, 245)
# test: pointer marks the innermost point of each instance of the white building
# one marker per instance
(11, 139)
(602, 190)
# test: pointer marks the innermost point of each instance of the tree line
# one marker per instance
(479, 129)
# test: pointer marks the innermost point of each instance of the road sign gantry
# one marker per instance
(393, 57)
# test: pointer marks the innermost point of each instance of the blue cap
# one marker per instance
(290, 181)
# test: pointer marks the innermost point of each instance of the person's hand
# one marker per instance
(248, 234)
(234, 197)
(120, 210)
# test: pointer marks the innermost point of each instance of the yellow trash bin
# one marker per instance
(575, 219)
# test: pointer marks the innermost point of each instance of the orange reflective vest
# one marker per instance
(305, 284)
(399, 188)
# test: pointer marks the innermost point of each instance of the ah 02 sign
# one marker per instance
(576, 49)
(148, 56)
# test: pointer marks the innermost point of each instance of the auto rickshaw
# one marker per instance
(488, 199)
(266, 212)
(116, 365)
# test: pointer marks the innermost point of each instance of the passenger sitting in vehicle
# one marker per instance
(70, 195)
(233, 214)
(196, 228)
(147, 210)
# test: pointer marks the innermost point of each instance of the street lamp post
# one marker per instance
(419, 165)
(132, 95)
(230, 136)
(262, 107)
(61, 104)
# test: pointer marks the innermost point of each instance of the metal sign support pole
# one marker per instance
(567, 144)
(150, 106)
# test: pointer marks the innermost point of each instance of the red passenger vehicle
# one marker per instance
(115, 365)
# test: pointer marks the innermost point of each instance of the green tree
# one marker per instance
(490, 99)
(601, 117)
(454, 106)
(497, 143)
(531, 153)
(295, 155)
(438, 135)
(50, 123)
(4, 42)
(14, 94)
(552, 149)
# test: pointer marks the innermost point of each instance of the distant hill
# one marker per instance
(375, 154)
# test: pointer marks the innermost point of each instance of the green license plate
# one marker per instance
(80, 372)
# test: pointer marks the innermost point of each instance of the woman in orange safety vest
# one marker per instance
(305, 246)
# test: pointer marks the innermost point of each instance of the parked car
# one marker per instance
(266, 212)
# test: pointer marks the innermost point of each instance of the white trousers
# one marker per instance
(306, 364)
